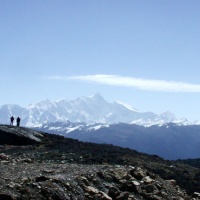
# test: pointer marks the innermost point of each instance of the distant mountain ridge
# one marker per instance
(94, 109)
(169, 141)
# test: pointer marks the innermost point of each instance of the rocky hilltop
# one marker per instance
(37, 165)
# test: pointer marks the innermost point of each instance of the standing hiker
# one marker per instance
(11, 120)
(18, 121)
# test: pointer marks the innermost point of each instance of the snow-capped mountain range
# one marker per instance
(94, 109)
(93, 119)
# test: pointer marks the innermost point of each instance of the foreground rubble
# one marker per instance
(25, 179)
(56, 168)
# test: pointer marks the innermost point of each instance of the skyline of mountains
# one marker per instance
(94, 119)
(93, 109)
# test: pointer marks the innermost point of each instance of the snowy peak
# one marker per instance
(98, 97)
(126, 106)
(93, 109)
(169, 116)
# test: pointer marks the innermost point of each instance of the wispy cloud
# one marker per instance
(139, 83)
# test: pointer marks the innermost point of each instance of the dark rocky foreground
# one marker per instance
(36, 165)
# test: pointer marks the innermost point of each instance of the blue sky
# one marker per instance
(143, 53)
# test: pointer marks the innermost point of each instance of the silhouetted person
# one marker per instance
(18, 121)
(11, 120)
